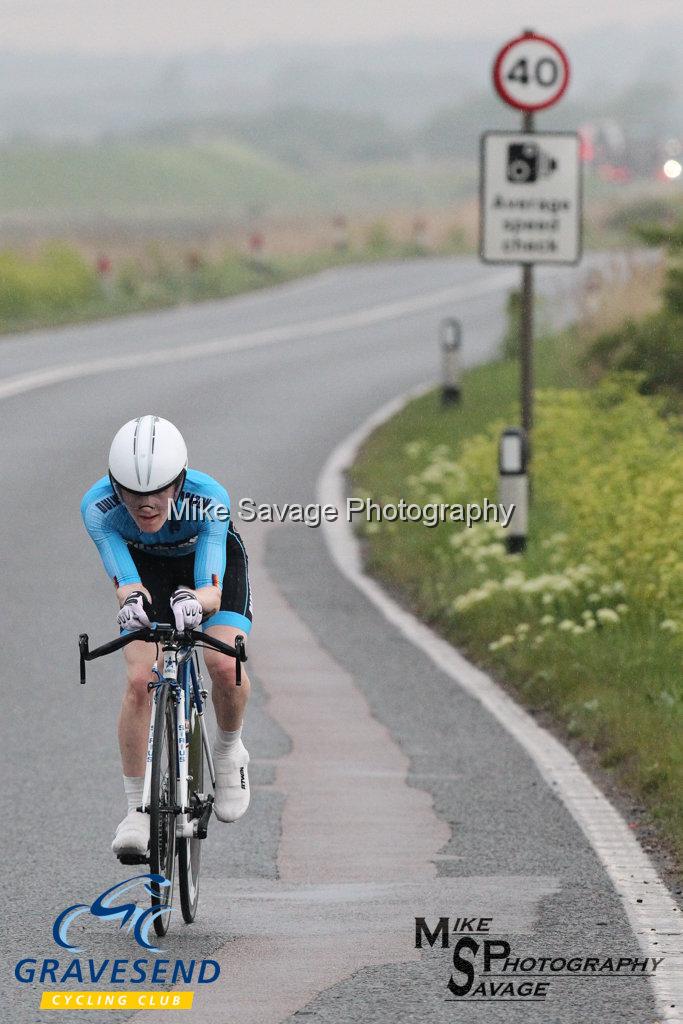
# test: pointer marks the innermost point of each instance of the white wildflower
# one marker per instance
(669, 626)
(506, 640)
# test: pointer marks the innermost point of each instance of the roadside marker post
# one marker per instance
(450, 337)
(513, 486)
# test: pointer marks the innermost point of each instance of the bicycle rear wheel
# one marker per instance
(162, 841)
(190, 849)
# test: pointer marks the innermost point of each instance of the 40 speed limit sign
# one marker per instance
(531, 72)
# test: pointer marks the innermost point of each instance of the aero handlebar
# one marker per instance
(160, 632)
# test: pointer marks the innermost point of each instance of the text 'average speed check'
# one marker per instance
(531, 197)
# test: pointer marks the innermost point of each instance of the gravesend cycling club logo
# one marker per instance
(118, 906)
(487, 969)
(139, 920)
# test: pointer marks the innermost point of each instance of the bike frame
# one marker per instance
(181, 673)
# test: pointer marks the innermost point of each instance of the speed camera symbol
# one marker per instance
(527, 162)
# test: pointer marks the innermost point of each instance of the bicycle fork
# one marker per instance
(205, 803)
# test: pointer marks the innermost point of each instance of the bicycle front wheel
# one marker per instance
(162, 806)
(190, 849)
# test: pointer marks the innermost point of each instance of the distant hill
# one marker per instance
(127, 178)
(156, 181)
(300, 129)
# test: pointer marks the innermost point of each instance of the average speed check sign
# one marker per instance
(530, 202)
(531, 72)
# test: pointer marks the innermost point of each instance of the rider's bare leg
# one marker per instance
(229, 699)
(132, 834)
(230, 755)
(133, 725)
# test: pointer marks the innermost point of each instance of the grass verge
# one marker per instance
(587, 625)
(58, 286)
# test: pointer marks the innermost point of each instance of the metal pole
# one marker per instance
(527, 325)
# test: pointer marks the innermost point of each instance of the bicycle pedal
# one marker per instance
(133, 858)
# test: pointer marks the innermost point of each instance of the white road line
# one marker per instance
(24, 382)
(652, 913)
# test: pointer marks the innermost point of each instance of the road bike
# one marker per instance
(178, 750)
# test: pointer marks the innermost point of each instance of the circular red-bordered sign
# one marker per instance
(531, 72)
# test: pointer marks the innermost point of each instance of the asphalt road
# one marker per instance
(381, 792)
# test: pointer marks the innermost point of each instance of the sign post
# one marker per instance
(530, 183)
(526, 348)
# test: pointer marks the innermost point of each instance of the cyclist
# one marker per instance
(166, 539)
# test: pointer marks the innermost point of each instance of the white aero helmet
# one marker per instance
(147, 454)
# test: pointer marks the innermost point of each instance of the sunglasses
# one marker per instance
(179, 480)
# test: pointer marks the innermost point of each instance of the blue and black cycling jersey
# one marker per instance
(202, 543)
(113, 530)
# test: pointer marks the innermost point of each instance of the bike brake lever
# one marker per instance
(83, 650)
(241, 656)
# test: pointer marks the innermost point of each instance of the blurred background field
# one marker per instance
(137, 179)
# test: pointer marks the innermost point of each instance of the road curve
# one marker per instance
(371, 806)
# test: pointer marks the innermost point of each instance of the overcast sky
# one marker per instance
(174, 26)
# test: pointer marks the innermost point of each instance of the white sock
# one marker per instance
(133, 787)
(226, 743)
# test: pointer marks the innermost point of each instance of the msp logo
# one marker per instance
(486, 969)
(138, 920)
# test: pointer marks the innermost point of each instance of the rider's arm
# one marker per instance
(209, 560)
(113, 549)
(209, 598)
